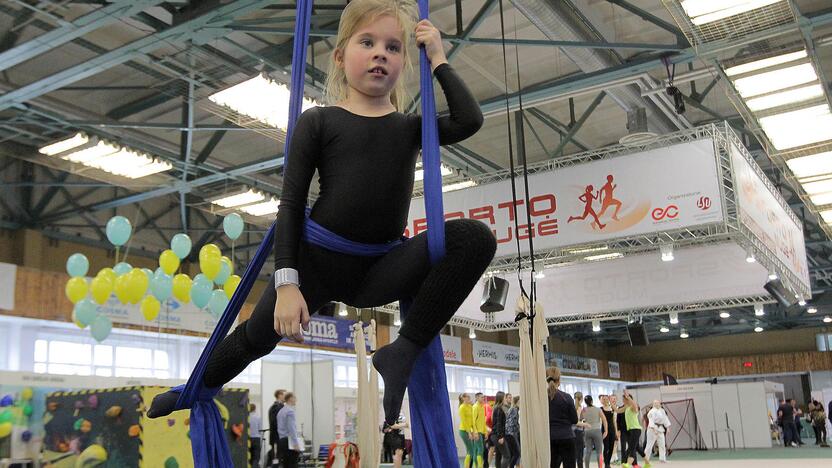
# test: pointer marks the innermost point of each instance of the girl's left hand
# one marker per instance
(429, 36)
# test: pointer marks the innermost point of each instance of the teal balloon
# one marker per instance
(118, 230)
(161, 286)
(232, 224)
(201, 292)
(148, 273)
(200, 277)
(223, 275)
(217, 303)
(77, 265)
(85, 311)
(122, 268)
(101, 328)
(181, 245)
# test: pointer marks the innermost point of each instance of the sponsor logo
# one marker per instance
(323, 330)
(703, 203)
(487, 353)
(670, 211)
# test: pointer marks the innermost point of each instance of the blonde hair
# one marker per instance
(356, 14)
(554, 374)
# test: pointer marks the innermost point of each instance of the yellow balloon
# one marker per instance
(76, 289)
(211, 267)
(150, 307)
(108, 273)
(122, 289)
(169, 261)
(231, 285)
(27, 393)
(5, 429)
(77, 323)
(137, 283)
(209, 251)
(228, 262)
(101, 288)
(182, 287)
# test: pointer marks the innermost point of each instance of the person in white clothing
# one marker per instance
(657, 425)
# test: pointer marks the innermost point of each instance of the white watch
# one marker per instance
(286, 276)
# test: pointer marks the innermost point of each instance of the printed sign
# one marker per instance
(8, 274)
(496, 354)
(615, 370)
(452, 347)
(573, 364)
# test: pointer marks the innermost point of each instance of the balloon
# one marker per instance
(182, 287)
(100, 328)
(228, 262)
(26, 436)
(181, 245)
(122, 289)
(161, 286)
(224, 273)
(27, 393)
(101, 288)
(5, 429)
(76, 289)
(76, 322)
(209, 251)
(27, 409)
(150, 307)
(233, 225)
(122, 268)
(137, 283)
(201, 277)
(85, 311)
(7, 400)
(148, 273)
(108, 273)
(231, 285)
(211, 266)
(5, 416)
(118, 230)
(201, 291)
(77, 265)
(169, 262)
(217, 303)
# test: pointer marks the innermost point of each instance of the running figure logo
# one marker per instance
(606, 205)
(588, 197)
(607, 200)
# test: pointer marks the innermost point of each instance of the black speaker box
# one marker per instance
(637, 334)
(494, 295)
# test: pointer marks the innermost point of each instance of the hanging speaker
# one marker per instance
(637, 334)
(494, 295)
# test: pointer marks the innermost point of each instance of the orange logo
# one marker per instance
(703, 203)
(670, 211)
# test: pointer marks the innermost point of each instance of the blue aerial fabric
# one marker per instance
(432, 427)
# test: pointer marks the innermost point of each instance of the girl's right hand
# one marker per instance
(290, 313)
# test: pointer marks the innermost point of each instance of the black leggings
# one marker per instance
(633, 445)
(609, 445)
(514, 447)
(562, 452)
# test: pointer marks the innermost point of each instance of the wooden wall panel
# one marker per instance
(719, 367)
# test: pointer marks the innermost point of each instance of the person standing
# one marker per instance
(621, 425)
(595, 432)
(274, 452)
(657, 426)
(579, 428)
(466, 429)
(254, 425)
(513, 432)
(480, 429)
(498, 432)
(819, 422)
(797, 423)
(785, 415)
(289, 442)
(612, 429)
(562, 420)
(633, 434)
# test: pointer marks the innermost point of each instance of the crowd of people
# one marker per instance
(790, 422)
(285, 443)
(490, 433)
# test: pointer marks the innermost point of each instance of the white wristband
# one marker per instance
(286, 276)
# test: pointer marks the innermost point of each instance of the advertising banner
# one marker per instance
(761, 212)
(573, 364)
(8, 274)
(661, 189)
(496, 354)
(615, 370)
(452, 347)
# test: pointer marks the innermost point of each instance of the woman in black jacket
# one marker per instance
(498, 432)
(562, 416)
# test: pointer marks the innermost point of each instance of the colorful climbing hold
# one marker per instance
(134, 430)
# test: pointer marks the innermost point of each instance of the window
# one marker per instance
(346, 376)
(63, 357)
(251, 374)
(67, 357)
(824, 341)
(484, 383)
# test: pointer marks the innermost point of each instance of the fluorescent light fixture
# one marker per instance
(725, 314)
(397, 320)
(588, 250)
(342, 310)
(262, 209)
(821, 199)
(246, 198)
(799, 127)
(812, 310)
(772, 276)
(443, 169)
(472, 334)
(683, 334)
(608, 256)
(707, 11)
(750, 258)
(819, 187)
(812, 165)
(674, 318)
(785, 97)
(827, 319)
(596, 326)
(667, 252)
(262, 99)
(458, 185)
(539, 275)
(766, 62)
(65, 145)
(759, 310)
(664, 329)
(758, 329)
(768, 82)
(801, 302)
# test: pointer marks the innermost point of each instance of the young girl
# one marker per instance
(466, 429)
(365, 150)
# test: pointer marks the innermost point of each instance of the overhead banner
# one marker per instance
(173, 314)
(657, 190)
(8, 275)
(573, 364)
(452, 347)
(615, 370)
(331, 332)
(763, 214)
(494, 354)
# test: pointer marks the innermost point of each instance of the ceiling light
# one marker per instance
(750, 258)
(821, 199)
(801, 302)
(604, 256)
(799, 127)
(262, 209)
(765, 63)
(674, 318)
(708, 11)
(812, 310)
(782, 98)
(420, 173)
(664, 329)
(342, 310)
(397, 321)
(758, 329)
(472, 334)
(772, 276)
(819, 187)
(667, 252)
(683, 334)
(596, 326)
(767, 82)
(458, 185)
(812, 165)
(105, 156)
(827, 319)
(759, 311)
(245, 198)
(539, 275)
(725, 314)
(262, 99)
(75, 141)
(588, 250)
(827, 216)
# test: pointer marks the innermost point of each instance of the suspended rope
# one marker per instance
(432, 427)
(369, 444)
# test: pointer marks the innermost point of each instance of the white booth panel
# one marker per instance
(315, 411)
(753, 408)
(273, 376)
(727, 414)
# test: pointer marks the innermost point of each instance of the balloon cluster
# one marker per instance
(12, 412)
(212, 288)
